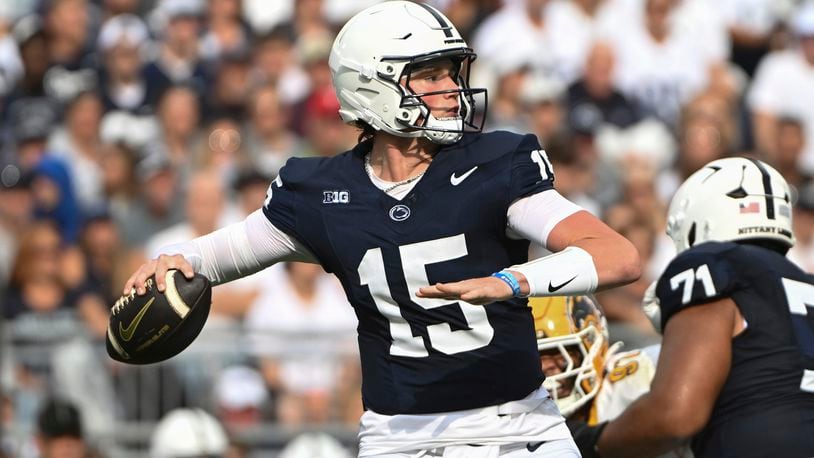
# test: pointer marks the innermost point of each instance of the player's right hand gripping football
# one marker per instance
(158, 266)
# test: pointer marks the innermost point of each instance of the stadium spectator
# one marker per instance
(39, 307)
(60, 432)
(754, 27)
(123, 40)
(223, 152)
(225, 34)
(178, 59)
(68, 27)
(542, 101)
(802, 253)
(30, 38)
(11, 65)
(118, 163)
(230, 88)
(160, 202)
(269, 142)
(54, 198)
(659, 64)
(31, 120)
(203, 209)
(576, 175)
(113, 8)
(308, 21)
(79, 146)
(789, 146)
(100, 244)
(326, 134)
(241, 397)
(782, 87)
(518, 31)
(303, 332)
(595, 94)
(178, 117)
(16, 212)
(275, 63)
(312, 55)
(707, 131)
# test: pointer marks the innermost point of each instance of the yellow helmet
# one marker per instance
(572, 323)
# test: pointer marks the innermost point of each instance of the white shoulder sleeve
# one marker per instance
(240, 249)
(533, 217)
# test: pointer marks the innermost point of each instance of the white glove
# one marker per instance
(651, 306)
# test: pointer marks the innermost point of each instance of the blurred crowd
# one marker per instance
(128, 125)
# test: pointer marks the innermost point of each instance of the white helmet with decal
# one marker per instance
(731, 199)
(371, 61)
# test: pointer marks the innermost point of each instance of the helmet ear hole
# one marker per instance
(691, 235)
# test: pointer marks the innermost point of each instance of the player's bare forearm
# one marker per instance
(693, 366)
(616, 259)
(643, 431)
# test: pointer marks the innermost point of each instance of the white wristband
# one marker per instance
(565, 273)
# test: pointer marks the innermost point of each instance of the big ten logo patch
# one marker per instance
(335, 197)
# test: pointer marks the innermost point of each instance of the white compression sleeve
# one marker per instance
(240, 249)
(533, 217)
(568, 272)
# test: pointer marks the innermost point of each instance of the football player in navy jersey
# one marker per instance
(427, 223)
(736, 371)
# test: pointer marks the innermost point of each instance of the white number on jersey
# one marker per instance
(799, 295)
(688, 278)
(414, 259)
(540, 158)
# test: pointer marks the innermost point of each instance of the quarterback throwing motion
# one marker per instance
(427, 223)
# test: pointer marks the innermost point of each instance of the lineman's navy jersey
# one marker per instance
(766, 406)
(424, 355)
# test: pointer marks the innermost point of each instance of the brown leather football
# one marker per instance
(156, 326)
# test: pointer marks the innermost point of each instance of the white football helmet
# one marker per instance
(371, 61)
(731, 199)
(187, 433)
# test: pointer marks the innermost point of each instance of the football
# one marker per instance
(156, 326)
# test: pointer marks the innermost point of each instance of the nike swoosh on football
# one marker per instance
(127, 333)
(552, 288)
(457, 180)
(532, 447)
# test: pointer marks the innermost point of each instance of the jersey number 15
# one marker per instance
(414, 259)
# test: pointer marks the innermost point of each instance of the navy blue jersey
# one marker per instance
(771, 378)
(424, 355)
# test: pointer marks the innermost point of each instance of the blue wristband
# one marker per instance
(510, 280)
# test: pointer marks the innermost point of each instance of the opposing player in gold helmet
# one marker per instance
(590, 380)
(573, 343)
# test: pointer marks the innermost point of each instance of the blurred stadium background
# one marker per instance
(128, 124)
